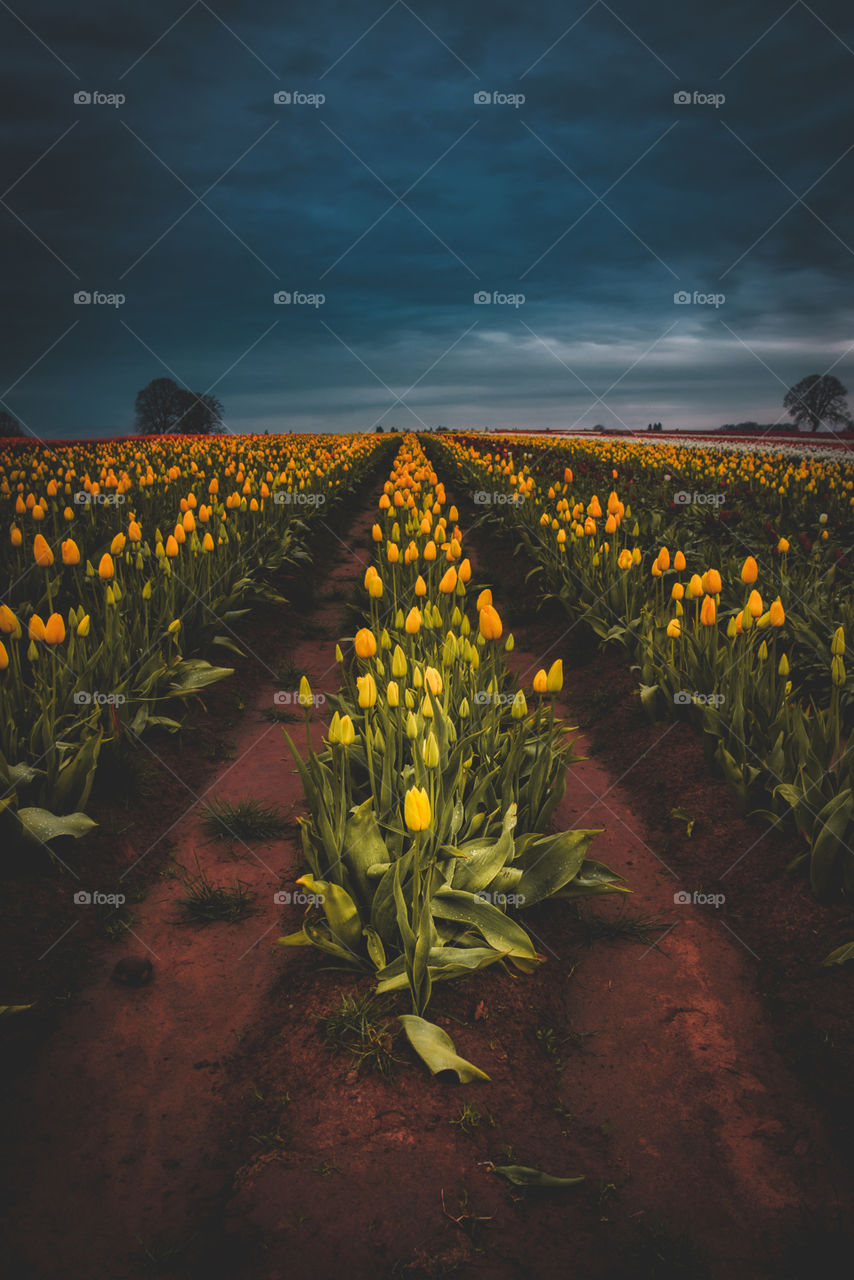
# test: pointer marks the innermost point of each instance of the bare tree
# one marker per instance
(164, 408)
(819, 401)
(10, 426)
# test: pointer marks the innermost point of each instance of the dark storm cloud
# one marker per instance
(400, 198)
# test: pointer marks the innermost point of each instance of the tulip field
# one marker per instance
(416, 774)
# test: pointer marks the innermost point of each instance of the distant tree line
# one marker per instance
(163, 408)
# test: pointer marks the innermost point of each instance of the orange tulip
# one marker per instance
(54, 631)
(105, 568)
(41, 552)
(365, 643)
(749, 571)
(708, 613)
(490, 623)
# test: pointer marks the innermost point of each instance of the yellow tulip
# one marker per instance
(305, 695)
(484, 599)
(420, 586)
(490, 623)
(392, 693)
(695, 586)
(367, 687)
(54, 631)
(117, 545)
(42, 553)
(674, 629)
(554, 680)
(519, 709)
(365, 643)
(8, 621)
(749, 571)
(430, 751)
(346, 731)
(416, 809)
(83, 626)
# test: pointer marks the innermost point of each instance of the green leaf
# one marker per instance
(436, 1049)
(521, 1176)
(481, 860)
(41, 826)
(502, 933)
(551, 863)
(829, 845)
(340, 910)
(194, 674)
(840, 955)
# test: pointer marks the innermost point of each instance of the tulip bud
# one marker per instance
(54, 631)
(509, 643)
(540, 682)
(339, 656)
(777, 613)
(519, 709)
(754, 604)
(708, 612)
(335, 728)
(732, 629)
(413, 621)
(146, 591)
(695, 587)
(783, 666)
(763, 651)
(8, 621)
(464, 710)
(490, 622)
(347, 731)
(4, 657)
(365, 644)
(70, 552)
(105, 568)
(837, 644)
(554, 680)
(174, 626)
(411, 726)
(393, 693)
(674, 629)
(305, 695)
(367, 691)
(430, 750)
(398, 663)
(416, 809)
(837, 671)
(83, 626)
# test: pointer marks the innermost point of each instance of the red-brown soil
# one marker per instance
(198, 1126)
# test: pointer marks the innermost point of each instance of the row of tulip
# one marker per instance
(430, 802)
(762, 675)
(125, 565)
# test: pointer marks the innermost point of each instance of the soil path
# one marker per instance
(113, 1158)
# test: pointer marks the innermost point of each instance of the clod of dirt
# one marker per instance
(133, 971)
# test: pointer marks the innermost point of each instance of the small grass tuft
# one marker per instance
(206, 902)
(627, 926)
(243, 820)
(358, 1027)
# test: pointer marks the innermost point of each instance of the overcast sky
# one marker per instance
(586, 208)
